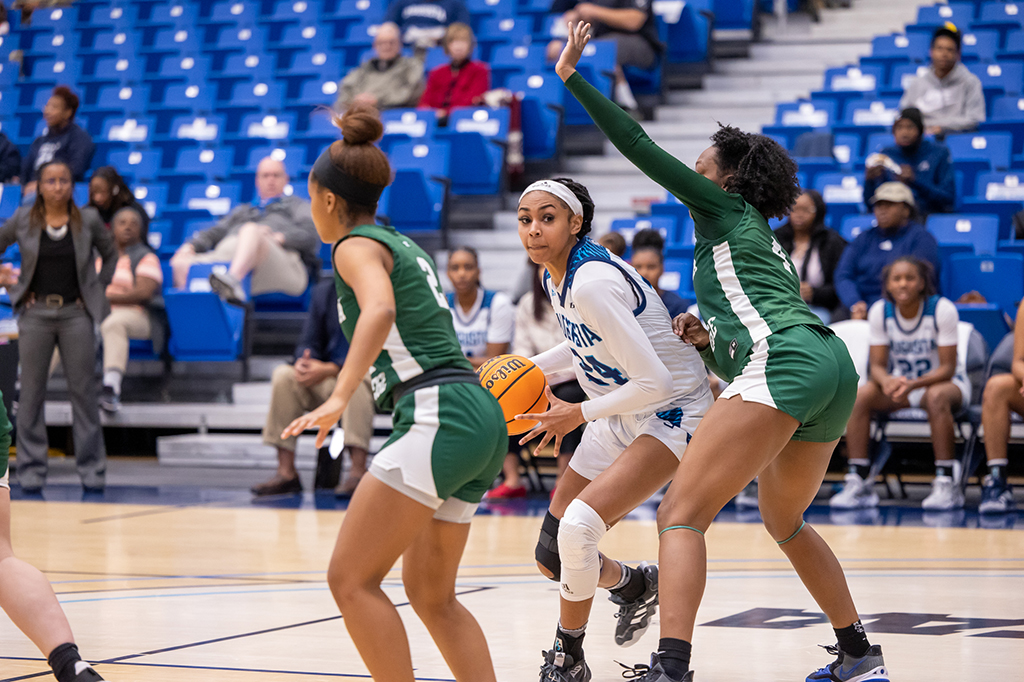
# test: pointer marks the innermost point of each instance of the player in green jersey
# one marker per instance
(25, 593)
(794, 381)
(449, 437)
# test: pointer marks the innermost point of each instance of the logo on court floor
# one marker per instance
(893, 622)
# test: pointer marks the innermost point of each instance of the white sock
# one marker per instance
(624, 96)
(112, 378)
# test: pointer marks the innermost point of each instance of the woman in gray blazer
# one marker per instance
(59, 299)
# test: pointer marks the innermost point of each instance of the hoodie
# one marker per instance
(934, 185)
(859, 273)
(955, 102)
(72, 145)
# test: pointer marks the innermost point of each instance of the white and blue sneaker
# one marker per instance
(996, 497)
(562, 667)
(868, 668)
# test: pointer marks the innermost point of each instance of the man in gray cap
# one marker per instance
(922, 165)
(859, 273)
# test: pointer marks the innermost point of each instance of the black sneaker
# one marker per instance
(110, 400)
(652, 673)
(278, 486)
(227, 287)
(85, 673)
(868, 668)
(561, 667)
(635, 616)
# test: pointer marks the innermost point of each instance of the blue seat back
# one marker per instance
(981, 232)
(992, 147)
(853, 225)
(999, 278)
(136, 164)
(218, 198)
(871, 112)
(809, 114)
(855, 78)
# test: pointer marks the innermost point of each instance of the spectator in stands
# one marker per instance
(10, 160)
(109, 193)
(484, 320)
(537, 331)
(136, 304)
(948, 95)
(815, 251)
(389, 80)
(62, 140)
(649, 260)
(423, 22)
(630, 23)
(59, 299)
(614, 242)
(273, 238)
(305, 384)
(924, 166)
(913, 331)
(463, 81)
(1003, 393)
(858, 276)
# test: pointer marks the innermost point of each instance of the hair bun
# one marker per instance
(360, 125)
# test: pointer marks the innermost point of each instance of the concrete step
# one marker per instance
(232, 450)
(676, 121)
(738, 98)
(811, 53)
(757, 67)
(764, 83)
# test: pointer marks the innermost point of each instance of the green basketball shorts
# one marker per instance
(446, 449)
(806, 372)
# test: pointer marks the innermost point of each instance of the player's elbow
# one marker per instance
(659, 386)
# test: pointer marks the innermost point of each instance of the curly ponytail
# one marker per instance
(762, 171)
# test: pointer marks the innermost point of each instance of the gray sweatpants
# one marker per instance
(71, 330)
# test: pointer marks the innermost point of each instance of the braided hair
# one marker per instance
(762, 171)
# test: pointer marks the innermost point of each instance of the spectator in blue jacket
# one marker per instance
(924, 166)
(10, 160)
(423, 22)
(62, 140)
(859, 274)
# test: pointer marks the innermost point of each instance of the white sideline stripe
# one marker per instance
(738, 300)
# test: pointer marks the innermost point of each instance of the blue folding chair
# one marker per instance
(237, 40)
(110, 71)
(152, 196)
(203, 327)
(228, 13)
(194, 165)
(1007, 115)
(182, 99)
(137, 164)
(417, 198)
(478, 139)
(1013, 47)
(359, 39)
(541, 112)
(216, 198)
(846, 149)
(978, 233)
(117, 100)
(853, 225)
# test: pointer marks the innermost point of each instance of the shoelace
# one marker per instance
(632, 672)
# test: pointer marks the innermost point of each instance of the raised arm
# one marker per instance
(714, 210)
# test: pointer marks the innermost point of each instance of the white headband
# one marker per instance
(559, 190)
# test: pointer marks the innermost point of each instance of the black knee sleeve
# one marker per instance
(547, 547)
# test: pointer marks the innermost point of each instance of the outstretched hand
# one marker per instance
(323, 418)
(579, 36)
(560, 419)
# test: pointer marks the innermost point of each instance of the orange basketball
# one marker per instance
(519, 385)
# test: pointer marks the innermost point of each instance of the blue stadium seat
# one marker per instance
(174, 41)
(478, 138)
(979, 46)
(1007, 115)
(296, 39)
(293, 157)
(541, 100)
(998, 193)
(811, 167)
(664, 224)
(10, 200)
(292, 12)
(876, 142)
(229, 13)
(974, 153)
(240, 40)
(488, 9)
(256, 129)
(189, 131)
(598, 66)
(846, 148)
(998, 16)
(241, 68)
(854, 224)
(685, 27)
(196, 164)
(866, 117)
(109, 16)
(319, 92)
(251, 98)
(319, 133)
(512, 59)
(979, 232)
(850, 82)
(959, 13)
(117, 100)
(999, 79)
(152, 196)
(999, 278)
(407, 125)
(843, 193)
(417, 198)
(161, 239)
(734, 14)
(169, 15)
(216, 198)
(894, 49)
(203, 327)
(359, 40)
(310, 66)
(502, 31)
(181, 99)
(792, 119)
(1013, 47)
(115, 43)
(136, 165)
(122, 133)
(678, 277)
(110, 71)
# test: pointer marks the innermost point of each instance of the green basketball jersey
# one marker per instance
(422, 336)
(746, 285)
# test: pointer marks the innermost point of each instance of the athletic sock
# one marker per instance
(63, 661)
(570, 642)
(624, 96)
(112, 378)
(631, 585)
(997, 469)
(944, 467)
(853, 640)
(861, 467)
(675, 656)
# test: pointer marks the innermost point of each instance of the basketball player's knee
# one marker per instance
(428, 597)
(998, 390)
(546, 554)
(579, 532)
(780, 524)
(937, 402)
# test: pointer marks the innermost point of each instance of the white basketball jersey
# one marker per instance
(597, 369)
(490, 320)
(914, 344)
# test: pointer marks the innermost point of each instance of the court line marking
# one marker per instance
(228, 638)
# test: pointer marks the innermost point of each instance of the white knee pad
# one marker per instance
(579, 532)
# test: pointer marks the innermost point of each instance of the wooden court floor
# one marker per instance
(208, 593)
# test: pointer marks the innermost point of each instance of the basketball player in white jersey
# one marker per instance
(648, 391)
(913, 337)
(484, 320)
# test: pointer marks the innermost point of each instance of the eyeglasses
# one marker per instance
(55, 182)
